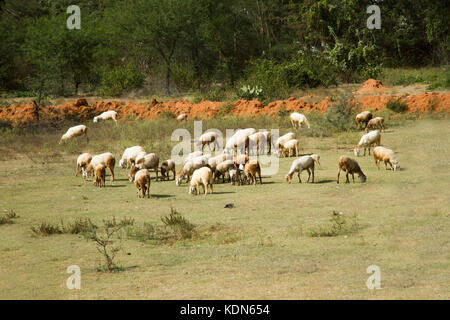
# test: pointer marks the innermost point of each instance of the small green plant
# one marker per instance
(79, 226)
(339, 225)
(397, 105)
(180, 226)
(8, 218)
(225, 109)
(46, 229)
(250, 93)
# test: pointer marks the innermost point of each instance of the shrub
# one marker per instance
(181, 227)
(79, 226)
(105, 243)
(397, 105)
(225, 109)
(46, 229)
(339, 225)
(340, 115)
(118, 80)
(8, 218)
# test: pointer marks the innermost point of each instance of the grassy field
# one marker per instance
(263, 248)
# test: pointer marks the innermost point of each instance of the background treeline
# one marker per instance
(172, 46)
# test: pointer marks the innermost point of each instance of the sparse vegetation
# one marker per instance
(339, 224)
(8, 218)
(179, 225)
(397, 105)
(105, 243)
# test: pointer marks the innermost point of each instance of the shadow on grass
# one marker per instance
(116, 185)
(324, 181)
(222, 192)
(161, 195)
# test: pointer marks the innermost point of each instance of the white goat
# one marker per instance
(300, 164)
(74, 132)
(202, 176)
(298, 119)
(83, 161)
(367, 140)
(111, 114)
(129, 156)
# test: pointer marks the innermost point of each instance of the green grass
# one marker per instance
(260, 249)
(435, 77)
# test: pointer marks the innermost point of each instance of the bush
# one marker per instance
(397, 105)
(181, 227)
(8, 218)
(339, 225)
(46, 229)
(118, 80)
(340, 116)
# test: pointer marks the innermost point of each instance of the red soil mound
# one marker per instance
(22, 113)
(371, 85)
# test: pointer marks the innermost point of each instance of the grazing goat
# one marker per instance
(202, 176)
(367, 140)
(298, 119)
(214, 161)
(189, 167)
(387, 156)
(208, 138)
(251, 169)
(239, 140)
(222, 169)
(83, 161)
(100, 175)
(363, 118)
(282, 140)
(350, 166)
(260, 140)
(300, 164)
(129, 156)
(166, 167)
(111, 114)
(147, 161)
(290, 146)
(375, 122)
(107, 159)
(73, 132)
(142, 183)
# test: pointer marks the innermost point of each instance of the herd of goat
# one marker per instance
(202, 170)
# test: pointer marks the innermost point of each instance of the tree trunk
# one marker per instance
(36, 110)
(77, 84)
(168, 74)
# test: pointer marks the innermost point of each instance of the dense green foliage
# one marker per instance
(171, 46)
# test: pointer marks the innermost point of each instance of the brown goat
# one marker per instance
(378, 121)
(350, 166)
(250, 170)
(100, 175)
(363, 118)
